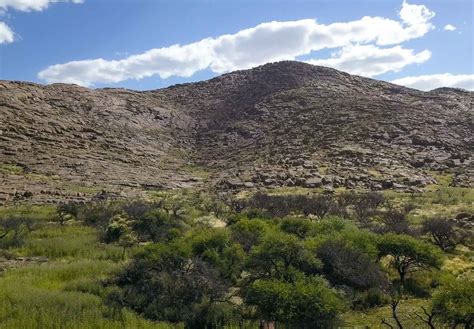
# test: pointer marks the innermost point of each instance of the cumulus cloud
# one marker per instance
(449, 27)
(369, 60)
(30, 5)
(429, 82)
(267, 42)
(6, 34)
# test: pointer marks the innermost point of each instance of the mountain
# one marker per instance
(280, 124)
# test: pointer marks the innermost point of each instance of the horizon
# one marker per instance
(418, 43)
(45, 84)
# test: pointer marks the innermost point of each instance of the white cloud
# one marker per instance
(449, 27)
(30, 5)
(369, 60)
(429, 82)
(267, 42)
(6, 34)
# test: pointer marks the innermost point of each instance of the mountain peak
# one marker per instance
(280, 124)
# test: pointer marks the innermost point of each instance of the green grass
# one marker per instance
(37, 212)
(372, 318)
(43, 296)
(444, 201)
(65, 291)
(7, 168)
(68, 242)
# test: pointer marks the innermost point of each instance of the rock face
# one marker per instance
(281, 124)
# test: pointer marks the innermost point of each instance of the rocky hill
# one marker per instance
(281, 124)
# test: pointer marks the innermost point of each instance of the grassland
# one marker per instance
(54, 278)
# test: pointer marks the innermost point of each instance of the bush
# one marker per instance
(304, 303)
(297, 226)
(364, 206)
(453, 303)
(165, 282)
(441, 232)
(346, 266)
(248, 232)
(157, 226)
(14, 230)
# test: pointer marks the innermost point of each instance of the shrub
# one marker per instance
(442, 232)
(166, 283)
(157, 225)
(248, 232)
(346, 266)
(307, 302)
(298, 226)
(13, 231)
(453, 303)
(279, 255)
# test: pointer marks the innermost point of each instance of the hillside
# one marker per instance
(281, 124)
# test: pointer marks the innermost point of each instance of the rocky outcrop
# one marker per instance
(281, 124)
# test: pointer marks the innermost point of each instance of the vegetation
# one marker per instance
(193, 260)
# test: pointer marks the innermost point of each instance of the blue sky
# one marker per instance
(129, 43)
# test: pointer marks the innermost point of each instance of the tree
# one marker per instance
(363, 205)
(98, 213)
(427, 317)
(395, 219)
(297, 226)
(280, 255)
(453, 303)
(127, 240)
(216, 247)
(307, 302)
(320, 206)
(394, 303)
(137, 209)
(343, 265)
(119, 231)
(248, 232)
(118, 226)
(13, 231)
(442, 232)
(167, 283)
(274, 205)
(408, 254)
(157, 225)
(66, 210)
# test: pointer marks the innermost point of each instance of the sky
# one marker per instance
(150, 44)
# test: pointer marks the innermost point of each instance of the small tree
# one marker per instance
(442, 232)
(364, 205)
(395, 219)
(408, 254)
(343, 265)
(126, 241)
(394, 303)
(14, 230)
(297, 226)
(308, 302)
(279, 255)
(248, 232)
(164, 282)
(157, 225)
(65, 211)
(453, 303)
(427, 317)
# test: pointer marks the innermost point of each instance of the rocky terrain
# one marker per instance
(281, 124)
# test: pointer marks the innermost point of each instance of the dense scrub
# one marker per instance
(201, 261)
